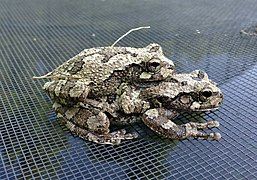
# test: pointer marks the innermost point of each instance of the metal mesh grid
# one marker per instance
(37, 36)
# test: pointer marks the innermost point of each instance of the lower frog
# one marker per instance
(156, 104)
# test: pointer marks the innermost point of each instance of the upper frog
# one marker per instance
(98, 72)
(98, 64)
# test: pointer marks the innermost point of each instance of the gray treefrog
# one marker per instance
(103, 86)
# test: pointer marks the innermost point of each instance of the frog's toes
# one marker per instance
(213, 124)
(121, 134)
(116, 137)
(209, 124)
(215, 136)
(202, 135)
(131, 135)
(191, 130)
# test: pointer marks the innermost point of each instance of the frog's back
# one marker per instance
(97, 64)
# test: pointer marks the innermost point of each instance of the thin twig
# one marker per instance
(46, 76)
(41, 77)
(253, 33)
(131, 30)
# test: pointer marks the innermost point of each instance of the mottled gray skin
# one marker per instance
(93, 78)
(184, 92)
(156, 106)
(98, 72)
(120, 85)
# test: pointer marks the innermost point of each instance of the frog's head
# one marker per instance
(155, 66)
(186, 92)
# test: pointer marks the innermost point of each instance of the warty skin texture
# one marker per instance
(104, 86)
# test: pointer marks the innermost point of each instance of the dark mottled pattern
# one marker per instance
(109, 87)
(78, 65)
(111, 98)
(126, 119)
(156, 124)
(109, 54)
(73, 66)
(66, 88)
(81, 117)
(106, 88)
(64, 96)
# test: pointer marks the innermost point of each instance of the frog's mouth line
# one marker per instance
(147, 84)
(201, 108)
(210, 105)
(207, 109)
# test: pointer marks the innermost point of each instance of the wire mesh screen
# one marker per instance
(37, 36)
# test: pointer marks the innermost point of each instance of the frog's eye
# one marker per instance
(206, 93)
(153, 66)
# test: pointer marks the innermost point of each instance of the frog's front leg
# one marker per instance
(159, 121)
(130, 101)
(90, 124)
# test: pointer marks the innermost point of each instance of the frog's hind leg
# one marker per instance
(92, 125)
(207, 125)
(159, 121)
(192, 128)
(113, 138)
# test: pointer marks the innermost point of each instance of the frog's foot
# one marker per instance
(113, 138)
(209, 124)
(116, 136)
(191, 130)
(159, 122)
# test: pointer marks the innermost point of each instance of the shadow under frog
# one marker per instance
(132, 159)
(137, 159)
